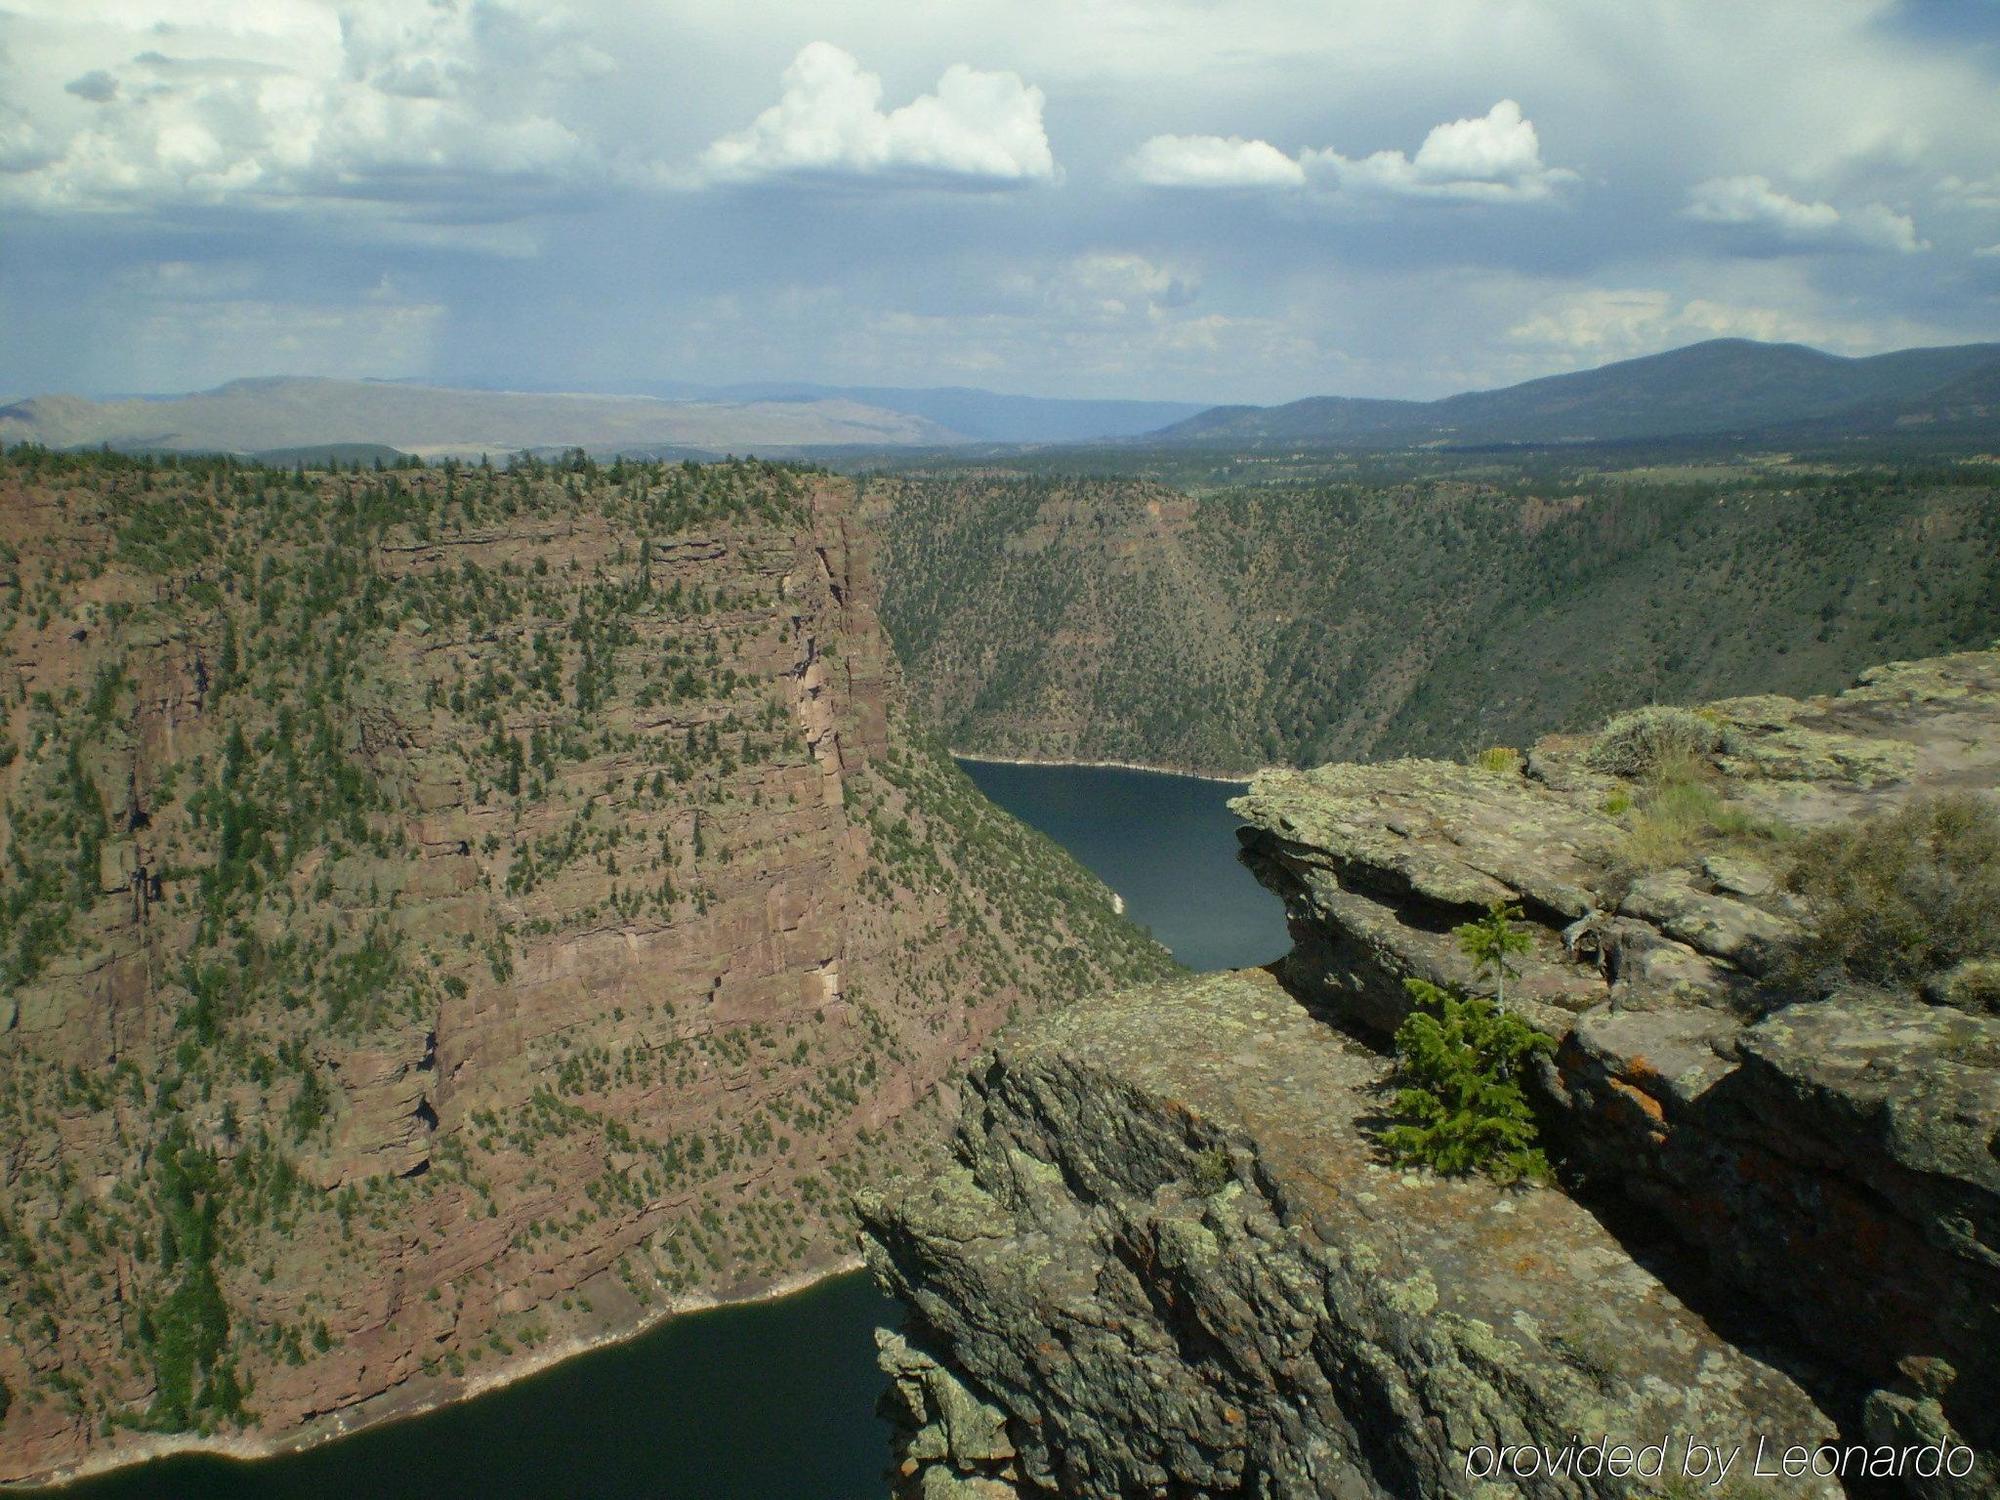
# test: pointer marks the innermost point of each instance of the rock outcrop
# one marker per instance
(1170, 1259)
(455, 916)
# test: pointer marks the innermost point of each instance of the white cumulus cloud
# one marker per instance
(1491, 158)
(290, 102)
(1604, 323)
(980, 128)
(1214, 161)
(1108, 284)
(1751, 201)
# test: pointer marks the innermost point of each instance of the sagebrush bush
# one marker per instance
(1902, 898)
(1652, 741)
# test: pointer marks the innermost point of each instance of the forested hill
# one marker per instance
(1295, 623)
(1721, 386)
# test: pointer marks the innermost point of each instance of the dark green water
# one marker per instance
(767, 1401)
(1167, 844)
(774, 1400)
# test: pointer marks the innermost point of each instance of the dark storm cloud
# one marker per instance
(98, 86)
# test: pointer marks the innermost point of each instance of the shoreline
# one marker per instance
(1101, 765)
(247, 1449)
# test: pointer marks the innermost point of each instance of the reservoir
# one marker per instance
(763, 1401)
(771, 1400)
(1166, 843)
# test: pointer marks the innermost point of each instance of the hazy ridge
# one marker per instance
(1736, 386)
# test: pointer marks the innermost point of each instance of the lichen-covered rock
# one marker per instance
(1170, 1255)
(1905, 1422)
(1832, 1162)
(1169, 1259)
(1710, 922)
(1973, 985)
(1375, 865)
(1835, 1161)
(955, 1443)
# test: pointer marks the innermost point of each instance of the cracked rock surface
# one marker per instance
(1168, 1256)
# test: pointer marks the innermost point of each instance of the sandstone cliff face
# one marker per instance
(1172, 1262)
(454, 915)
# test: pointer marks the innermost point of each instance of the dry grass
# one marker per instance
(1904, 899)
(1502, 760)
(1678, 812)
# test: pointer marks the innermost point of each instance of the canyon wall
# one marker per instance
(452, 916)
(1270, 611)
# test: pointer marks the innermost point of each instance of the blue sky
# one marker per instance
(1193, 199)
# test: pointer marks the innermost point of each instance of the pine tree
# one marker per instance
(1491, 941)
(1460, 1063)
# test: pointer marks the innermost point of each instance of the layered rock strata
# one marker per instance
(451, 917)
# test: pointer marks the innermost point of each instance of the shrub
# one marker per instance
(1502, 760)
(1460, 1107)
(1652, 742)
(1211, 1171)
(1902, 899)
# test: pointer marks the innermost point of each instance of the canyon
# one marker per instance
(1219, 616)
(1171, 1256)
(455, 916)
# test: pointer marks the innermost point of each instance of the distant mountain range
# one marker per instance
(981, 416)
(291, 416)
(254, 416)
(1724, 386)
(1735, 388)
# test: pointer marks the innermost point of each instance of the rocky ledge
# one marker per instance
(1169, 1256)
(1170, 1260)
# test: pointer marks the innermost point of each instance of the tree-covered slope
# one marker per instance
(451, 914)
(1722, 385)
(1126, 620)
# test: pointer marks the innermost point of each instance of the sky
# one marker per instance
(1201, 200)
